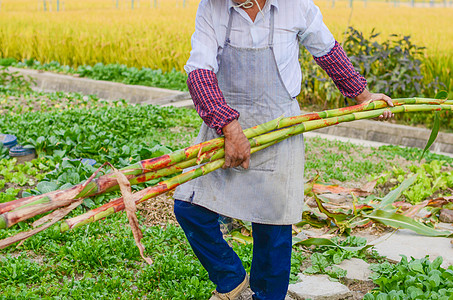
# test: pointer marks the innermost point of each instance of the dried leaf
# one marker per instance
(70, 195)
(245, 232)
(131, 209)
(336, 189)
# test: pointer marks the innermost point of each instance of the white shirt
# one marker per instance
(295, 21)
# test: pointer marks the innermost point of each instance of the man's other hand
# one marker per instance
(237, 146)
(366, 96)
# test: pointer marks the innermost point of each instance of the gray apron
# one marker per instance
(271, 190)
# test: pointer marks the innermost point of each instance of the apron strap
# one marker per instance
(228, 31)
(271, 28)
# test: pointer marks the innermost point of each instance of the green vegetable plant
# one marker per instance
(13, 81)
(19, 175)
(433, 179)
(329, 253)
(412, 279)
(175, 80)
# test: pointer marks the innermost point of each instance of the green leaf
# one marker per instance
(436, 263)
(326, 242)
(416, 266)
(335, 217)
(400, 221)
(313, 220)
(239, 237)
(88, 203)
(46, 187)
(434, 280)
(60, 153)
(443, 95)
(336, 272)
(433, 136)
(396, 193)
(368, 297)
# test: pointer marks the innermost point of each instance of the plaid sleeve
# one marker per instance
(338, 66)
(209, 101)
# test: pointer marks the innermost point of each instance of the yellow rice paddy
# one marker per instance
(90, 31)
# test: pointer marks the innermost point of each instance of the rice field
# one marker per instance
(156, 33)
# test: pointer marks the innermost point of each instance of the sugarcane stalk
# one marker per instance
(145, 194)
(13, 217)
(108, 182)
(256, 142)
(165, 166)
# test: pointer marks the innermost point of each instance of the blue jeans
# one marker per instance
(271, 264)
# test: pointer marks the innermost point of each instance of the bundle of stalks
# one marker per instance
(208, 156)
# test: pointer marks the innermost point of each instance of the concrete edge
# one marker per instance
(52, 82)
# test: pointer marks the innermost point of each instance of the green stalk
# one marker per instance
(166, 165)
(108, 182)
(117, 205)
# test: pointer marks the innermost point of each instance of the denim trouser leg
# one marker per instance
(271, 264)
(202, 230)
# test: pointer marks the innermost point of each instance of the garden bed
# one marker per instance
(100, 260)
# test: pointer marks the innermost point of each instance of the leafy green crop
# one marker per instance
(66, 127)
(111, 72)
(325, 257)
(115, 132)
(433, 179)
(13, 81)
(414, 153)
(13, 175)
(414, 279)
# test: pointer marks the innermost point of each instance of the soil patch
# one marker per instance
(360, 288)
(158, 211)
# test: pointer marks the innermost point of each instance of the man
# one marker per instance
(243, 71)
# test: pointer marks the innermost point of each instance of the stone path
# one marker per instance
(317, 288)
(390, 245)
(406, 242)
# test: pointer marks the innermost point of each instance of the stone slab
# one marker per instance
(318, 287)
(108, 90)
(183, 103)
(408, 243)
(357, 269)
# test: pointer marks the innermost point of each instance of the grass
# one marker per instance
(345, 162)
(101, 261)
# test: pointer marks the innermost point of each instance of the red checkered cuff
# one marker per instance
(338, 66)
(209, 101)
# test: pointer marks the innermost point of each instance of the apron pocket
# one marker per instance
(264, 160)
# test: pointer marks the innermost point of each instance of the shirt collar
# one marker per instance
(266, 7)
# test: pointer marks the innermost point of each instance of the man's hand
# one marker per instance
(237, 146)
(366, 96)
